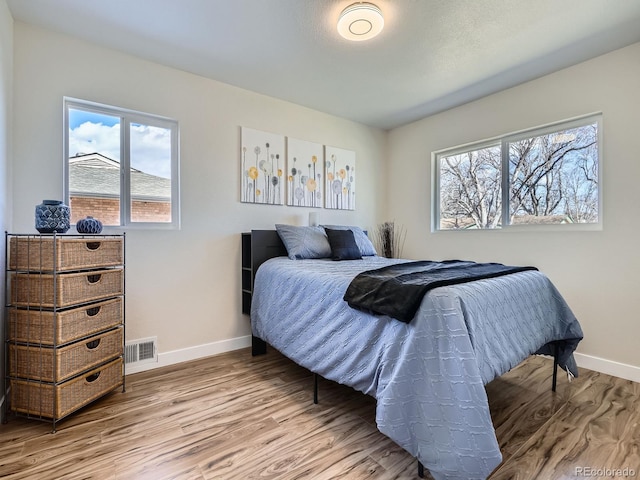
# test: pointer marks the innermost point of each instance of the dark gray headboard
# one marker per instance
(265, 244)
(261, 246)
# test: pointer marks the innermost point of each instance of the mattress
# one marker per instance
(427, 375)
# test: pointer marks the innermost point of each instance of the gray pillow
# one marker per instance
(304, 242)
(363, 242)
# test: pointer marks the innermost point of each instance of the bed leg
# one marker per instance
(315, 388)
(420, 469)
(556, 349)
(258, 346)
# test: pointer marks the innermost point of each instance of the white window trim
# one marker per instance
(504, 140)
(126, 118)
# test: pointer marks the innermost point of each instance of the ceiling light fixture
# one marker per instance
(360, 21)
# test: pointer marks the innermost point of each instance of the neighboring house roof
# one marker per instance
(95, 175)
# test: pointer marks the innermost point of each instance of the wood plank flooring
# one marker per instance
(234, 416)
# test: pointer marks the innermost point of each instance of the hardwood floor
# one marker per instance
(233, 416)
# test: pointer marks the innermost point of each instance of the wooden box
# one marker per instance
(58, 364)
(38, 326)
(71, 253)
(57, 401)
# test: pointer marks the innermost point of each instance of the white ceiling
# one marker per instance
(431, 55)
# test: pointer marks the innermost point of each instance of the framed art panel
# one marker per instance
(262, 167)
(340, 174)
(304, 173)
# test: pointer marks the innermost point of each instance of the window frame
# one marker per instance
(127, 117)
(504, 141)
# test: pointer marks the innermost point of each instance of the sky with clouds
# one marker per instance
(94, 133)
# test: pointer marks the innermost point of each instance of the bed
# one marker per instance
(427, 375)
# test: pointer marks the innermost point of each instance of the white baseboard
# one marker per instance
(602, 365)
(192, 353)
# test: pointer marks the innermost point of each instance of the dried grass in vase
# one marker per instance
(389, 239)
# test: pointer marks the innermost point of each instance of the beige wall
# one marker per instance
(597, 272)
(6, 80)
(183, 286)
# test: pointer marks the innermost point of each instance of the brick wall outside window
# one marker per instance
(107, 210)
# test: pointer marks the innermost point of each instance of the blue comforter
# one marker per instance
(428, 375)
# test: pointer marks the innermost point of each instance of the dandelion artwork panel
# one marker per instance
(304, 173)
(340, 174)
(262, 165)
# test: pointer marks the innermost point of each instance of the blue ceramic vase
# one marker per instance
(89, 225)
(52, 216)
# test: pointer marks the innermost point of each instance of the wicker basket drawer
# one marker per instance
(56, 365)
(57, 401)
(71, 253)
(38, 326)
(34, 289)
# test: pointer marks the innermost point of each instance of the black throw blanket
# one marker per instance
(397, 290)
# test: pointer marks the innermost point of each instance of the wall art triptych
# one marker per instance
(305, 173)
(340, 166)
(262, 157)
(309, 175)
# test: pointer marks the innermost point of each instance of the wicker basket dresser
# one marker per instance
(65, 321)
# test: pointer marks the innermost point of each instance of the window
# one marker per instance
(544, 176)
(121, 166)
